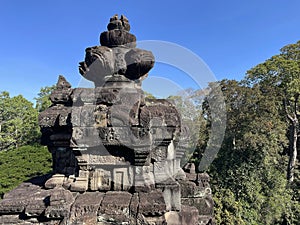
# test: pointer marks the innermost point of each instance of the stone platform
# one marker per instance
(31, 203)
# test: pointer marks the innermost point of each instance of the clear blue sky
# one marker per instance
(41, 39)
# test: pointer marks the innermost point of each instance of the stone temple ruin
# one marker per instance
(116, 154)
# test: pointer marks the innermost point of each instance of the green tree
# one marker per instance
(282, 72)
(248, 178)
(18, 122)
(18, 165)
(188, 104)
(43, 101)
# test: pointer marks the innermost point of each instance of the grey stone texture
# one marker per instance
(116, 154)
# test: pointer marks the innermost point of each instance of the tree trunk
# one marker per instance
(292, 150)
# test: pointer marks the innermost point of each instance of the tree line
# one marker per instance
(255, 177)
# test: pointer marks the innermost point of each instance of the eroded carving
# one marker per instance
(116, 155)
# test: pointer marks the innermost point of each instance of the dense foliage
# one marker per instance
(249, 174)
(18, 165)
(18, 122)
(255, 178)
(18, 128)
(282, 74)
(43, 100)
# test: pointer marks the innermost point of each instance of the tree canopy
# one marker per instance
(281, 75)
(255, 176)
(43, 100)
(18, 122)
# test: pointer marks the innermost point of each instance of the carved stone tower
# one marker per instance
(116, 154)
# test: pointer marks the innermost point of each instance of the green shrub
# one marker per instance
(18, 165)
